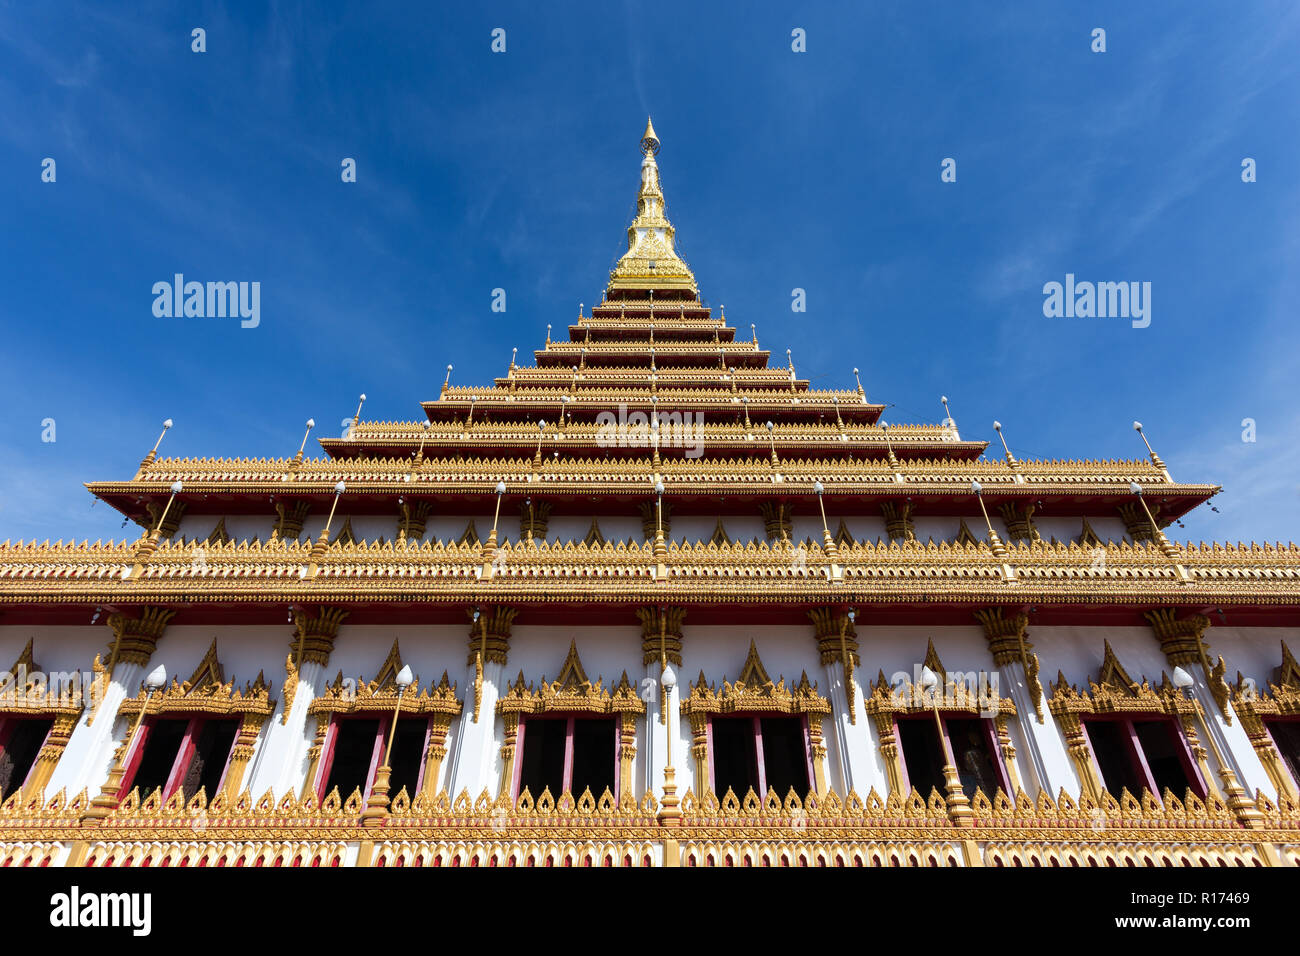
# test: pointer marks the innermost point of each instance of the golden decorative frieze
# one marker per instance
(822, 829)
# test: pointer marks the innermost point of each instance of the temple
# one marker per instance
(650, 599)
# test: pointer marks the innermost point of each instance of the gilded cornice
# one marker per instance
(633, 475)
(751, 571)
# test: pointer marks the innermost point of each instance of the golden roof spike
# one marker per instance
(649, 142)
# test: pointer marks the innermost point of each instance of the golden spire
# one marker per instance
(650, 262)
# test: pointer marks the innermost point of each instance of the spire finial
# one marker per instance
(649, 142)
(650, 262)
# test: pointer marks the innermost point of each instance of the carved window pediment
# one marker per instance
(754, 691)
(969, 692)
(1115, 692)
(1282, 698)
(572, 691)
(206, 692)
(27, 689)
(350, 696)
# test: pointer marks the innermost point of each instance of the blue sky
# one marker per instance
(816, 170)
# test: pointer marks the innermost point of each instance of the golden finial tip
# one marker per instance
(649, 141)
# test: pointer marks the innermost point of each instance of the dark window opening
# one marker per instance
(407, 756)
(1161, 749)
(354, 750)
(18, 753)
(784, 755)
(923, 756)
(593, 757)
(972, 750)
(1115, 758)
(161, 744)
(1286, 737)
(735, 765)
(542, 763)
(211, 750)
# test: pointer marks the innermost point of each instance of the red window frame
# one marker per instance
(385, 719)
(569, 717)
(1137, 756)
(184, 754)
(990, 738)
(8, 723)
(757, 717)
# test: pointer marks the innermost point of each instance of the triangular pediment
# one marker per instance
(25, 663)
(719, 537)
(219, 534)
(754, 674)
(1112, 673)
(209, 673)
(345, 535)
(1288, 673)
(594, 536)
(392, 666)
(932, 661)
(572, 675)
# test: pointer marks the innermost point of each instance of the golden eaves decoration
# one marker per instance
(754, 691)
(206, 692)
(572, 691)
(348, 696)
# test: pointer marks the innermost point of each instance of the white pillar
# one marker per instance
(1232, 742)
(476, 757)
(651, 771)
(1043, 743)
(88, 757)
(857, 765)
(280, 761)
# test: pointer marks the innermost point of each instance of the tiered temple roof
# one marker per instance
(759, 434)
